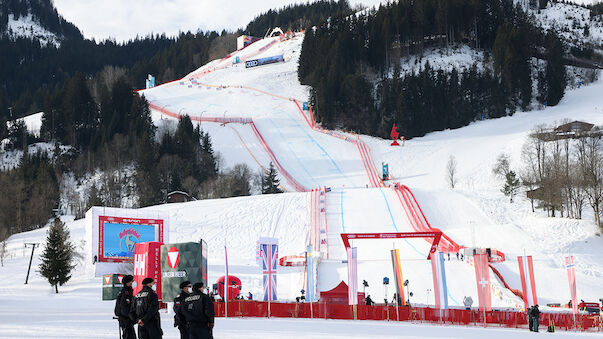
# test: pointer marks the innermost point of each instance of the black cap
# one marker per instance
(147, 281)
(127, 278)
(184, 284)
(197, 286)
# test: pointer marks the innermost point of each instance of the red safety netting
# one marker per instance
(510, 319)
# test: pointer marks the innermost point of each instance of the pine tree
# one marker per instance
(511, 185)
(270, 182)
(57, 258)
(555, 73)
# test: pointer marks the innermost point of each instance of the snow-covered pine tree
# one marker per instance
(511, 185)
(270, 182)
(57, 258)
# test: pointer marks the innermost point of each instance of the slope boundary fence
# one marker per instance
(461, 317)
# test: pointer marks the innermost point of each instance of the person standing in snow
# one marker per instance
(530, 319)
(198, 310)
(122, 308)
(535, 312)
(145, 311)
(368, 301)
(179, 320)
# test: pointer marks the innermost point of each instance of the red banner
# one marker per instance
(147, 264)
(528, 284)
(571, 278)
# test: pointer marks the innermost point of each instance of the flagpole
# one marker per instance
(226, 282)
(269, 263)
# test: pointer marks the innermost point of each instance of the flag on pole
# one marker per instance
(571, 277)
(439, 280)
(310, 274)
(398, 279)
(226, 283)
(528, 284)
(482, 277)
(269, 255)
(352, 276)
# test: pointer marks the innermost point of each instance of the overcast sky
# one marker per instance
(124, 19)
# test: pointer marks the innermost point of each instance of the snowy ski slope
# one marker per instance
(476, 213)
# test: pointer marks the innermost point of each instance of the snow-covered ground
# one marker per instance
(475, 213)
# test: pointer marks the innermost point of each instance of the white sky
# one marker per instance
(124, 19)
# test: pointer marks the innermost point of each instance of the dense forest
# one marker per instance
(297, 17)
(352, 64)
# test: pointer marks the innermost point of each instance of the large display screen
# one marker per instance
(117, 236)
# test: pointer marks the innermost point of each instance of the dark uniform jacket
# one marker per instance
(145, 307)
(122, 304)
(198, 310)
(179, 319)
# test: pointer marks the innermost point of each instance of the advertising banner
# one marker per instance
(147, 264)
(571, 278)
(398, 278)
(528, 284)
(352, 275)
(264, 61)
(181, 262)
(112, 284)
(439, 281)
(118, 236)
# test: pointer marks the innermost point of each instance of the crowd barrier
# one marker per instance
(509, 319)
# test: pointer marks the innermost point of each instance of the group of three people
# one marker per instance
(194, 311)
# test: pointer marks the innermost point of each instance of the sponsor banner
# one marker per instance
(269, 255)
(118, 236)
(482, 278)
(181, 262)
(147, 264)
(112, 284)
(264, 61)
(528, 284)
(571, 278)
(398, 278)
(352, 275)
(440, 287)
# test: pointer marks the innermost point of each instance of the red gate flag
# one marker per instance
(398, 279)
(147, 264)
(352, 276)
(571, 278)
(482, 277)
(528, 284)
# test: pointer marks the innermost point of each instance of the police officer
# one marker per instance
(145, 312)
(198, 310)
(179, 320)
(122, 308)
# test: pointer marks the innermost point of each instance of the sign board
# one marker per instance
(264, 61)
(181, 262)
(147, 264)
(112, 284)
(111, 234)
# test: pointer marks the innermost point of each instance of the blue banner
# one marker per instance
(264, 61)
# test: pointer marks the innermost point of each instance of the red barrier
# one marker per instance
(509, 319)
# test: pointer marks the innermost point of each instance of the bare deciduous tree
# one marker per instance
(451, 171)
(590, 160)
(3, 251)
(502, 166)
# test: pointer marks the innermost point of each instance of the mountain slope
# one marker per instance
(36, 20)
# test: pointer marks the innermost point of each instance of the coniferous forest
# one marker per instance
(352, 64)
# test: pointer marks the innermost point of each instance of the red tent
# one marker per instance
(339, 295)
